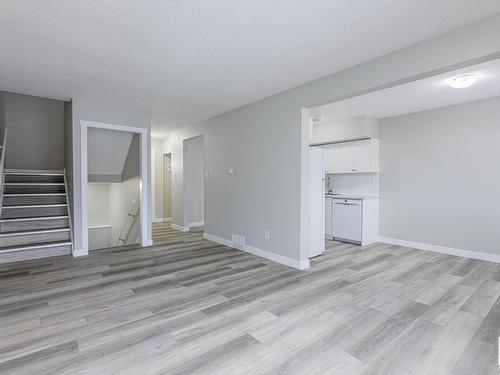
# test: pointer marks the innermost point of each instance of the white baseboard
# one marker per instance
(442, 249)
(217, 239)
(79, 253)
(196, 224)
(157, 220)
(179, 227)
(300, 265)
(147, 243)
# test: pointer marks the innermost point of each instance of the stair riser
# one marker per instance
(33, 189)
(29, 239)
(33, 199)
(11, 213)
(33, 178)
(13, 226)
(16, 256)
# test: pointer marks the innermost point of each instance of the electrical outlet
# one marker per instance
(267, 234)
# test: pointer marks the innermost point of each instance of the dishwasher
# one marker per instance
(346, 220)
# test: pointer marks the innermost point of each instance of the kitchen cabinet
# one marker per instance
(328, 217)
(352, 157)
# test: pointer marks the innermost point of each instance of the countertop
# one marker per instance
(351, 196)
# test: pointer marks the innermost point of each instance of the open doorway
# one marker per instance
(167, 186)
(193, 171)
(394, 165)
(114, 171)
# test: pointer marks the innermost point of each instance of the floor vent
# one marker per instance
(238, 241)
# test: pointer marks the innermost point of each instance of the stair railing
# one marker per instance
(132, 213)
(2, 163)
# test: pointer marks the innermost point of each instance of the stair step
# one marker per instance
(35, 251)
(36, 199)
(33, 178)
(33, 188)
(34, 223)
(28, 211)
(31, 237)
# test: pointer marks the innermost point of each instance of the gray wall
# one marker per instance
(91, 110)
(36, 132)
(440, 176)
(193, 180)
(159, 203)
(265, 145)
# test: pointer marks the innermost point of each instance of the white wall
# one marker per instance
(98, 216)
(193, 181)
(36, 132)
(266, 145)
(440, 177)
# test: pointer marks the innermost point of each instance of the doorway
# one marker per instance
(141, 135)
(167, 186)
(193, 170)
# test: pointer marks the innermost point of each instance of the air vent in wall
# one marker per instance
(238, 241)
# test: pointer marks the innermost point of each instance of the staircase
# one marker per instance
(34, 221)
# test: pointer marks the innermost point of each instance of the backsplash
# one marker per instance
(358, 184)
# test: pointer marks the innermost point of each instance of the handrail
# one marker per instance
(132, 213)
(2, 163)
(68, 209)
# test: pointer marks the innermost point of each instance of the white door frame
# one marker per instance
(144, 187)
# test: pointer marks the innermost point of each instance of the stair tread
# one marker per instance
(34, 246)
(34, 183)
(34, 231)
(36, 205)
(30, 194)
(9, 220)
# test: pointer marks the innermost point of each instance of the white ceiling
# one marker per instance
(420, 95)
(190, 60)
(107, 151)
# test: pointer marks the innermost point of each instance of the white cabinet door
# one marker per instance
(355, 156)
(332, 159)
(328, 217)
(346, 219)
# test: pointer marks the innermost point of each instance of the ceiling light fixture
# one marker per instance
(463, 80)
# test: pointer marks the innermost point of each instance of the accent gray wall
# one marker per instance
(264, 142)
(193, 180)
(91, 110)
(36, 132)
(440, 181)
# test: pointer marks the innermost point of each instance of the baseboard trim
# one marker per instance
(196, 224)
(79, 253)
(179, 227)
(147, 243)
(442, 249)
(300, 265)
(157, 220)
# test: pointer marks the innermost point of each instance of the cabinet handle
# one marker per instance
(347, 204)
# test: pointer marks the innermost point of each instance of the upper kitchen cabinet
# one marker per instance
(352, 157)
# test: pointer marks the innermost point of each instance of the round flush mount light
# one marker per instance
(463, 81)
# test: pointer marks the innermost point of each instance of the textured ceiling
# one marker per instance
(190, 60)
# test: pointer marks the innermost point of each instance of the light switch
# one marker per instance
(207, 174)
(230, 171)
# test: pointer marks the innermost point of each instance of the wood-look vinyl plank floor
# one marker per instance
(189, 306)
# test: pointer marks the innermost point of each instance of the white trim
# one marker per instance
(196, 224)
(80, 253)
(300, 265)
(157, 220)
(146, 233)
(217, 239)
(179, 227)
(100, 226)
(442, 249)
